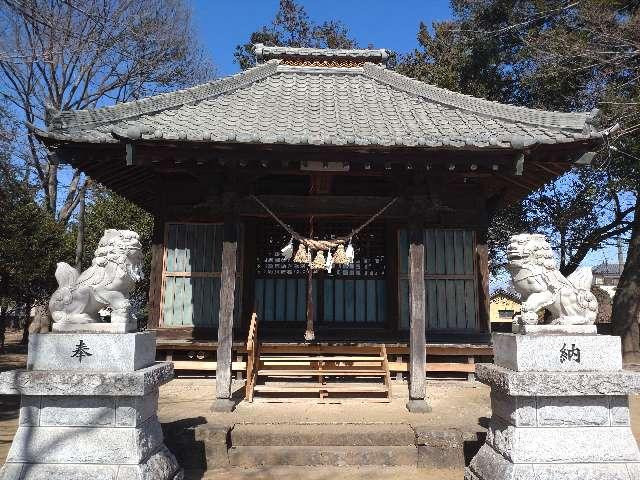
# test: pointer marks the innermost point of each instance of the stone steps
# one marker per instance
(265, 446)
(310, 444)
(253, 456)
(400, 434)
(325, 472)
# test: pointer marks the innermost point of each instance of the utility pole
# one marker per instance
(620, 255)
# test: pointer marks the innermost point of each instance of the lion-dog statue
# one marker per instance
(541, 285)
(108, 282)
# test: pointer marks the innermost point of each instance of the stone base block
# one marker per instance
(96, 445)
(94, 327)
(88, 410)
(161, 465)
(96, 352)
(439, 449)
(418, 406)
(562, 445)
(586, 411)
(489, 465)
(223, 405)
(74, 383)
(557, 384)
(557, 353)
(555, 329)
(103, 411)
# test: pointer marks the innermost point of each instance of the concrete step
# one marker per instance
(268, 446)
(325, 472)
(253, 456)
(387, 434)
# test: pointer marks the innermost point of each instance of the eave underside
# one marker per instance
(200, 174)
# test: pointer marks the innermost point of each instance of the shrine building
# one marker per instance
(328, 146)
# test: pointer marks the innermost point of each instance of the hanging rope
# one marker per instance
(314, 244)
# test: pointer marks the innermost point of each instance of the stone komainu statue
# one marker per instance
(537, 279)
(116, 267)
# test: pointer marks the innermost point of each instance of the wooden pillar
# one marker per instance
(309, 334)
(417, 316)
(248, 275)
(225, 319)
(155, 275)
(482, 267)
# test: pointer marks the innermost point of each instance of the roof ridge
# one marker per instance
(481, 106)
(264, 52)
(69, 119)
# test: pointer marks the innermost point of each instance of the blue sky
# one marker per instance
(223, 24)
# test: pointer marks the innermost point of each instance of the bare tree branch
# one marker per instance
(82, 53)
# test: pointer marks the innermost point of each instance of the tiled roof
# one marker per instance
(324, 105)
(513, 296)
(608, 269)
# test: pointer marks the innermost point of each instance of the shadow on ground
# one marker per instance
(180, 439)
(9, 407)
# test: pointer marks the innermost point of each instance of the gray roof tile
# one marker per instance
(263, 52)
(608, 268)
(364, 105)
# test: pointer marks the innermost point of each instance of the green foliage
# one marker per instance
(507, 221)
(580, 212)
(31, 243)
(292, 27)
(456, 60)
(108, 210)
(559, 56)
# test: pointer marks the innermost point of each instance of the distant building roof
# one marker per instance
(608, 268)
(303, 96)
(513, 296)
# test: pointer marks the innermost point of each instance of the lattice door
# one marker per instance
(354, 294)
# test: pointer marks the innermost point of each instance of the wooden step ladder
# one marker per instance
(324, 373)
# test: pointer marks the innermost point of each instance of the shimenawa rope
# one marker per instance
(314, 244)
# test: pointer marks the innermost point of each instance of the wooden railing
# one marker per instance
(253, 357)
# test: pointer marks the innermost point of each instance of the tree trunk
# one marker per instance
(3, 326)
(80, 236)
(41, 319)
(626, 302)
(27, 322)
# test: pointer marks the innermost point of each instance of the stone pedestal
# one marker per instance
(559, 409)
(88, 410)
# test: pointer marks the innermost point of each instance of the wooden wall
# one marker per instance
(191, 285)
(451, 280)
(191, 274)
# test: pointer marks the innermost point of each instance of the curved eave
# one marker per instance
(449, 143)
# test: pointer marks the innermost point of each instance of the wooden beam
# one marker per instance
(417, 313)
(130, 154)
(347, 206)
(519, 183)
(519, 166)
(227, 302)
(552, 171)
